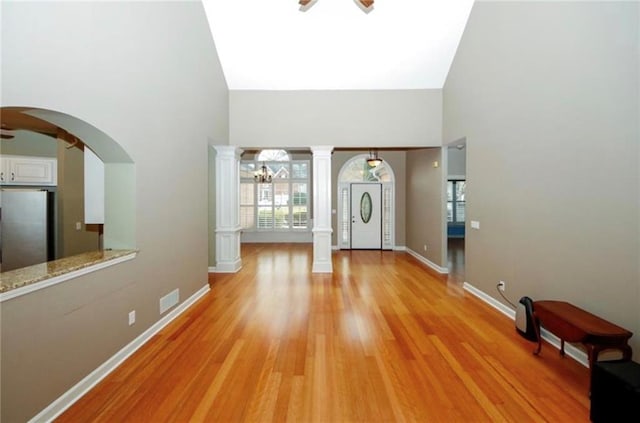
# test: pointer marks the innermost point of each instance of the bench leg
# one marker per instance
(562, 347)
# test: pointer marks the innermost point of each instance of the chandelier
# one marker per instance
(262, 175)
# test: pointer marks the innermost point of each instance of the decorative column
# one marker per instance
(322, 209)
(228, 208)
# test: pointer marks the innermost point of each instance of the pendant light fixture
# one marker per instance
(262, 175)
(374, 160)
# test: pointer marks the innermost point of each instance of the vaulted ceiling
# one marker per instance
(336, 44)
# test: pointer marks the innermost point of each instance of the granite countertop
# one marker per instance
(22, 277)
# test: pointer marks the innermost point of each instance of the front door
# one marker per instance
(366, 216)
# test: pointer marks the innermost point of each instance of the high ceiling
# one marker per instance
(398, 44)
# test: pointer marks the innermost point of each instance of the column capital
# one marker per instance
(230, 151)
(321, 150)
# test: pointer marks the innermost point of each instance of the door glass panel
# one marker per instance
(366, 207)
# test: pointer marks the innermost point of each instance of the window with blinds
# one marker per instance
(283, 204)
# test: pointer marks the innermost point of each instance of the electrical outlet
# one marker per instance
(425, 247)
(502, 285)
(78, 226)
(132, 317)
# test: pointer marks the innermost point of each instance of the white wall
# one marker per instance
(456, 162)
(147, 74)
(547, 96)
(406, 118)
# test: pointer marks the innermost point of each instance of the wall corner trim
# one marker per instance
(67, 399)
(428, 262)
(573, 352)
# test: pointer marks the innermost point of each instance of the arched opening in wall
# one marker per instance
(67, 188)
(366, 205)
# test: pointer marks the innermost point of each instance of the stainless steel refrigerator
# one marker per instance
(26, 227)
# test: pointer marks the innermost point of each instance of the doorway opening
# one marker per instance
(366, 205)
(456, 208)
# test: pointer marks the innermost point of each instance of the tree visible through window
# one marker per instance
(456, 201)
(281, 205)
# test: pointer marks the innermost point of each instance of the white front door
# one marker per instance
(366, 216)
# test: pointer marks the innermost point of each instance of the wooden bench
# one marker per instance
(572, 324)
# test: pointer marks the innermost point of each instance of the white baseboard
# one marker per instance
(229, 267)
(67, 399)
(428, 262)
(396, 248)
(504, 309)
(573, 352)
(212, 269)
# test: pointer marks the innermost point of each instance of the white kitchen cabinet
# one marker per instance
(26, 170)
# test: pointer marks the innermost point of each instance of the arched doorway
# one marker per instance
(361, 189)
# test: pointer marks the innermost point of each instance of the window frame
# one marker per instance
(454, 201)
(292, 203)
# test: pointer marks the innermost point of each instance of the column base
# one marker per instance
(228, 250)
(322, 260)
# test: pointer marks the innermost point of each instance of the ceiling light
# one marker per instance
(263, 175)
(374, 160)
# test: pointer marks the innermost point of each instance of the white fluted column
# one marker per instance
(322, 209)
(228, 208)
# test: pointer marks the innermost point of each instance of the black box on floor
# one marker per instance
(615, 392)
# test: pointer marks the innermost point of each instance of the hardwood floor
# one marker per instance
(455, 259)
(380, 339)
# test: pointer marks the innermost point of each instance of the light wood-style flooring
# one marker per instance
(382, 339)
